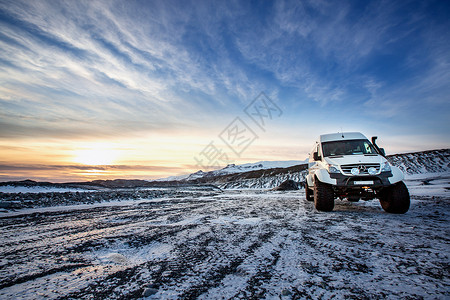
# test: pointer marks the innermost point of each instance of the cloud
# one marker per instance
(328, 50)
(93, 60)
(40, 167)
(64, 173)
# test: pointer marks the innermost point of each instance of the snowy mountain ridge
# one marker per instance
(432, 161)
(233, 169)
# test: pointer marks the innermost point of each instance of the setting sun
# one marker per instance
(96, 155)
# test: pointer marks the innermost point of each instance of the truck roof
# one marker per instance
(340, 136)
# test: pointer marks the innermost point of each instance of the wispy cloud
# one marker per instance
(97, 59)
(34, 167)
(64, 173)
(329, 49)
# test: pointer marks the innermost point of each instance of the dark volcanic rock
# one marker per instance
(288, 185)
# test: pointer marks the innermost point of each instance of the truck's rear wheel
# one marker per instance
(309, 194)
(323, 196)
(395, 199)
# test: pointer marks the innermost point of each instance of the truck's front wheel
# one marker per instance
(395, 199)
(323, 196)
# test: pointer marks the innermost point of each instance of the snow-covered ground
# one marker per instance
(248, 244)
(429, 184)
(40, 189)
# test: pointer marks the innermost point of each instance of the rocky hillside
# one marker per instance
(422, 162)
(266, 178)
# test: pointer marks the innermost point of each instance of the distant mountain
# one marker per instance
(116, 183)
(260, 179)
(234, 169)
(42, 184)
(261, 165)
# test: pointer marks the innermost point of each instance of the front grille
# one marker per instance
(363, 168)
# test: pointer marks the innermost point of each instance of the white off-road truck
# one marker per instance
(348, 166)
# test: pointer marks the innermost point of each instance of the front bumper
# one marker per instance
(376, 181)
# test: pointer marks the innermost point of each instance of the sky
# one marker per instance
(147, 89)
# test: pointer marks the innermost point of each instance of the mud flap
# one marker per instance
(324, 177)
(397, 175)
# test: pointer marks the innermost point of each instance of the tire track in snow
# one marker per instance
(234, 245)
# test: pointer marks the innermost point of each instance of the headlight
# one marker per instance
(386, 167)
(372, 171)
(354, 171)
(333, 169)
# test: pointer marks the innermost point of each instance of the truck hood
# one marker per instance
(355, 159)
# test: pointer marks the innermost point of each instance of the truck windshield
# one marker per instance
(349, 147)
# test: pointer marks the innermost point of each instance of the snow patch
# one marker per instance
(126, 255)
(40, 189)
(224, 220)
(429, 184)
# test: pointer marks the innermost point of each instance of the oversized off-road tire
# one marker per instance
(395, 199)
(323, 196)
(309, 194)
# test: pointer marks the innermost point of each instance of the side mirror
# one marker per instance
(382, 152)
(316, 156)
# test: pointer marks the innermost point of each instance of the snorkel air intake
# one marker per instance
(380, 150)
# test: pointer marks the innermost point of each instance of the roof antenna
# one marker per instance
(342, 133)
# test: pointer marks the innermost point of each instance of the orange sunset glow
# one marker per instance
(96, 154)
